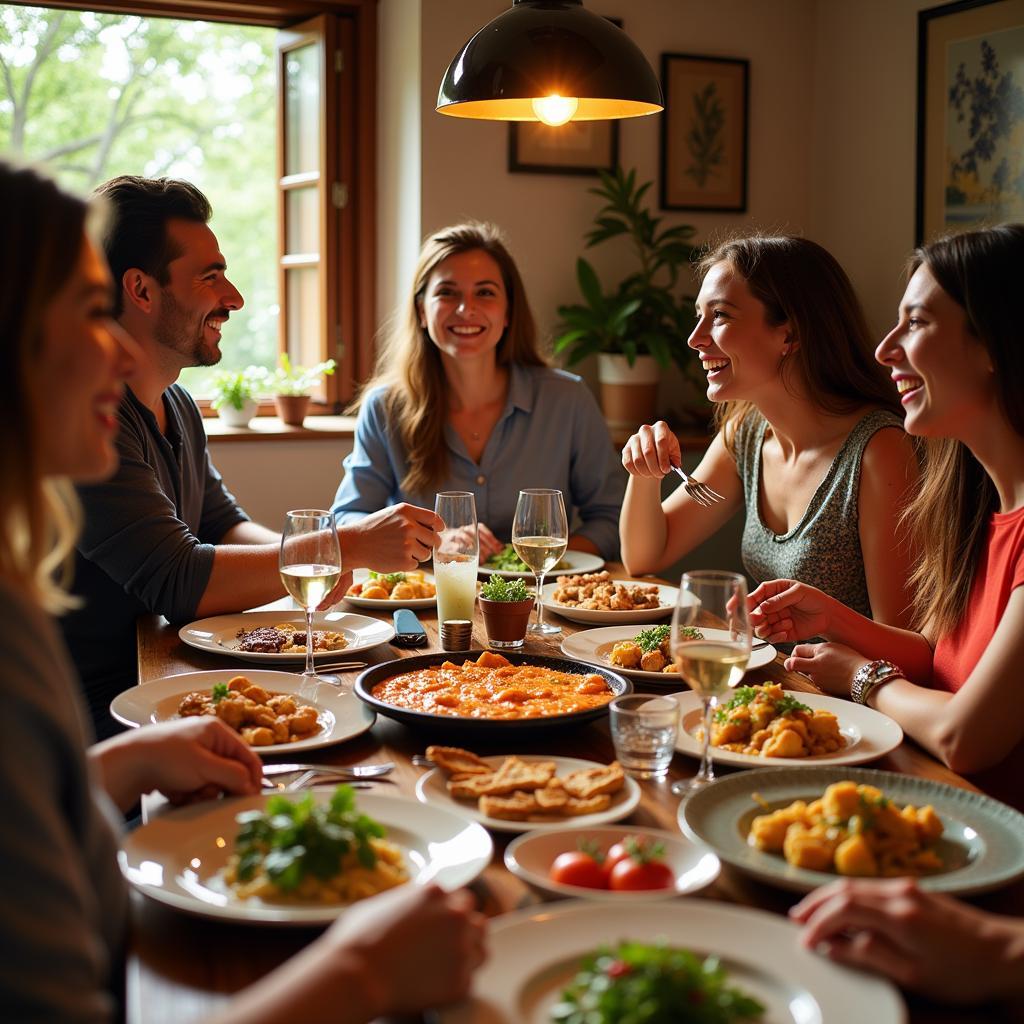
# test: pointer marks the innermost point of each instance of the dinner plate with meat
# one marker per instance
(598, 599)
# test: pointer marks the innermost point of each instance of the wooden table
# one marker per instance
(182, 967)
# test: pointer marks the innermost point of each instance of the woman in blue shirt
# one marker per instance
(462, 399)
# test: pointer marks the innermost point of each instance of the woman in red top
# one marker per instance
(957, 359)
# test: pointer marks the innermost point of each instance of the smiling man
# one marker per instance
(164, 535)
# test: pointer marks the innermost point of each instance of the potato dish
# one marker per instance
(260, 717)
(852, 830)
(393, 586)
(287, 638)
(649, 650)
(599, 592)
(765, 722)
(492, 687)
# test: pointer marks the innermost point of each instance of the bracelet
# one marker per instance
(869, 677)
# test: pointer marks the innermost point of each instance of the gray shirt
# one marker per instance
(823, 548)
(64, 906)
(147, 544)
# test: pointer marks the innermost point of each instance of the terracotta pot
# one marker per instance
(238, 417)
(506, 621)
(629, 394)
(291, 409)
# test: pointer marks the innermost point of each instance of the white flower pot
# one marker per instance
(629, 394)
(233, 417)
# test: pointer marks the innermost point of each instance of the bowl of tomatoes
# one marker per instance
(612, 864)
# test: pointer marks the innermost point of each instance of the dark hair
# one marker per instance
(136, 232)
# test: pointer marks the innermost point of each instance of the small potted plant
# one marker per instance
(506, 605)
(234, 394)
(290, 385)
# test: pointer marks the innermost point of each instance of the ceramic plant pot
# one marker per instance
(238, 417)
(506, 621)
(629, 394)
(291, 409)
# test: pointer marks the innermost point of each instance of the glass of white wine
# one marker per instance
(540, 533)
(310, 564)
(711, 647)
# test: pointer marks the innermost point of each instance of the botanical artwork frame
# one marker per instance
(704, 132)
(970, 116)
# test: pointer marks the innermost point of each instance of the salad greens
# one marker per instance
(497, 588)
(636, 983)
(651, 639)
(292, 840)
(508, 561)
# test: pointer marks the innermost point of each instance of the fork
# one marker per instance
(356, 771)
(701, 493)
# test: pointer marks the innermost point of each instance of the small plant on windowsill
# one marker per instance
(234, 394)
(290, 384)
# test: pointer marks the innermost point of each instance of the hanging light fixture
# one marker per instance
(550, 61)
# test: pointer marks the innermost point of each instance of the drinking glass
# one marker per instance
(540, 533)
(310, 564)
(714, 606)
(644, 733)
(456, 556)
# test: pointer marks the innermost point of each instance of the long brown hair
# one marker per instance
(949, 515)
(39, 248)
(409, 364)
(802, 284)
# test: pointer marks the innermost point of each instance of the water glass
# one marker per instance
(456, 556)
(644, 733)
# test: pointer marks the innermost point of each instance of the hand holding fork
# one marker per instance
(653, 451)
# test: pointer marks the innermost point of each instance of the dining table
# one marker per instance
(182, 968)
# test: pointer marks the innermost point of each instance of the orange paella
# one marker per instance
(492, 687)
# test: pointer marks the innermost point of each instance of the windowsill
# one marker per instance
(316, 428)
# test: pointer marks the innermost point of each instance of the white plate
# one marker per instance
(595, 646)
(219, 634)
(666, 595)
(535, 953)
(531, 856)
(869, 734)
(341, 715)
(362, 575)
(575, 562)
(177, 857)
(431, 789)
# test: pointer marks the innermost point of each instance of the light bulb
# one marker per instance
(555, 110)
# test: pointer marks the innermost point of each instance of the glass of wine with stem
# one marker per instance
(711, 647)
(310, 564)
(540, 534)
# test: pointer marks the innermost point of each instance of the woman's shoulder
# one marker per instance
(551, 378)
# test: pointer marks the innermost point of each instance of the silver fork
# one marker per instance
(354, 771)
(701, 493)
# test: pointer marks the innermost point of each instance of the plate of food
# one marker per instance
(281, 636)
(265, 708)
(480, 692)
(613, 865)
(180, 858)
(385, 591)
(507, 563)
(628, 649)
(705, 951)
(799, 828)
(596, 598)
(764, 726)
(509, 793)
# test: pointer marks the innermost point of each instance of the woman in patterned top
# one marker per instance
(809, 443)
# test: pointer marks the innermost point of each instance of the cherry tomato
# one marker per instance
(578, 868)
(631, 875)
(617, 852)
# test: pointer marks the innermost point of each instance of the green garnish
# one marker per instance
(787, 704)
(651, 639)
(743, 695)
(220, 691)
(652, 984)
(293, 840)
(388, 577)
(497, 588)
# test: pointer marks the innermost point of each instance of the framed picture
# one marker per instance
(704, 132)
(970, 115)
(578, 147)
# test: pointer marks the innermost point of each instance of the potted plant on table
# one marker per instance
(639, 329)
(506, 605)
(291, 384)
(234, 394)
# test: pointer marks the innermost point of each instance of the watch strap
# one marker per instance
(869, 677)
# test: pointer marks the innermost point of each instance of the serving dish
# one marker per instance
(341, 718)
(373, 604)
(575, 562)
(666, 596)
(983, 841)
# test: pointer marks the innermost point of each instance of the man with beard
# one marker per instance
(164, 535)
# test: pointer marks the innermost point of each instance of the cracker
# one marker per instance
(574, 806)
(518, 806)
(552, 798)
(518, 774)
(472, 787)
(594, 781)
(457, 760)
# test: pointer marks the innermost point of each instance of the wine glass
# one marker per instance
(310, 564)
(540, 533)
(711, 647)
(456, 556)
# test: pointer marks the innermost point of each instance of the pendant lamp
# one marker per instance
(551, 61)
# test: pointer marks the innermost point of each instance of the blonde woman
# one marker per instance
(64, 913)
(463, 400)
(955, 358)
(810, 447)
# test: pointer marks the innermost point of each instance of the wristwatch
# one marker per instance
(872, 675)
(409, 632)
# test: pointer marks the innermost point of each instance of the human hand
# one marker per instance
(416, 946)
(395, 539)
(338, 591)
(830, 666)
(926, 942)
(784, 611)
(489, 544)
(652, 452)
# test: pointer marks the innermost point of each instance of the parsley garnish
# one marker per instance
(651, 639)
(744, 695)
(220, 691)
(388, 577)
(787, 704)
